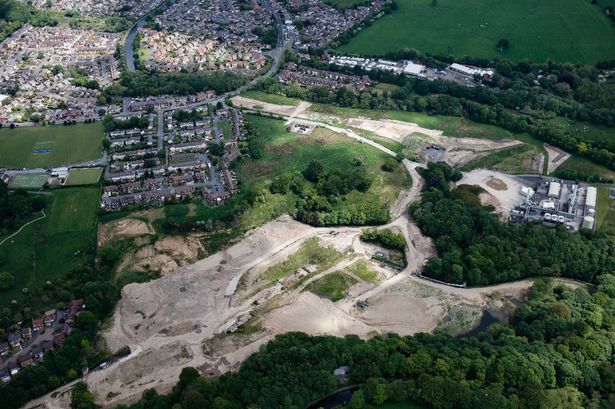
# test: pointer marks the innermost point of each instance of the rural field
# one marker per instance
(49, 146)
(536, 30)
(53, 247)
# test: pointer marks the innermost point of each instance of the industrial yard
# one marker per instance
(557, 202)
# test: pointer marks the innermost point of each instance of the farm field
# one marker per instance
(83, 176)
(49, 146)
(53, 247)
(536, 30)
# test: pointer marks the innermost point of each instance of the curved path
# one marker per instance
(23, 227)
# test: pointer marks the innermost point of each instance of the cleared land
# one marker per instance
(28, 181)
(52, 247)
(83, 176)
(515, 159)
(43, 147)
(537, 30)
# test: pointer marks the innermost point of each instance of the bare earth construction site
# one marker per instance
(214, 313)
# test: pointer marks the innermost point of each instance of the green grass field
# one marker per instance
(83, 176)
(225, 127)
(287, 152)
(562, 30)
(66, 145)
(271, 98)
(333, 286)
(605, 217)
(582, 164)
(587, 132)
(28, 181)
(55, 246)
(345, 4)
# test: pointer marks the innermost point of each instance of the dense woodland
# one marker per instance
(133, 84)
(556, 354)
(475, 247)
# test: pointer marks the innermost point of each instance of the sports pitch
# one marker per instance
(28, 181)
(84, 176)
(562, 30)
(45, 147)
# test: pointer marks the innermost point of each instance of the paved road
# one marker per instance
(132, 33)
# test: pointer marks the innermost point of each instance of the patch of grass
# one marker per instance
(310, 253)
(68, 144)
(83, 176)
(73, 210)
(469, 194)
(271, 98)
(361, 270)
(333, 286)
(286, 152)
(604, 207)
(225, 127)
(345, 4)
(586, 132)
(584, 165)
(55, 246)
(514, 159)
(536, 30)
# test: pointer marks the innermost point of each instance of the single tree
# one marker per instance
(503, 44)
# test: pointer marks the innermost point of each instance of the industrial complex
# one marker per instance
(554, 201)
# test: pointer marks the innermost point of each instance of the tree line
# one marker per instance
(475, 247)
(134, 84)
(556, 353)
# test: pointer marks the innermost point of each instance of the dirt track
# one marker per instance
(180, 319)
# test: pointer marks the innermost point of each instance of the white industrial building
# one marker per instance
(413, 69)
(555, 189)
(590, 198)
(470, 71)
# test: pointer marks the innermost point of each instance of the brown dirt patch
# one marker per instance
(497, 184)
(121, 229)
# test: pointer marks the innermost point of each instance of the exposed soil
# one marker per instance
(556, 157)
